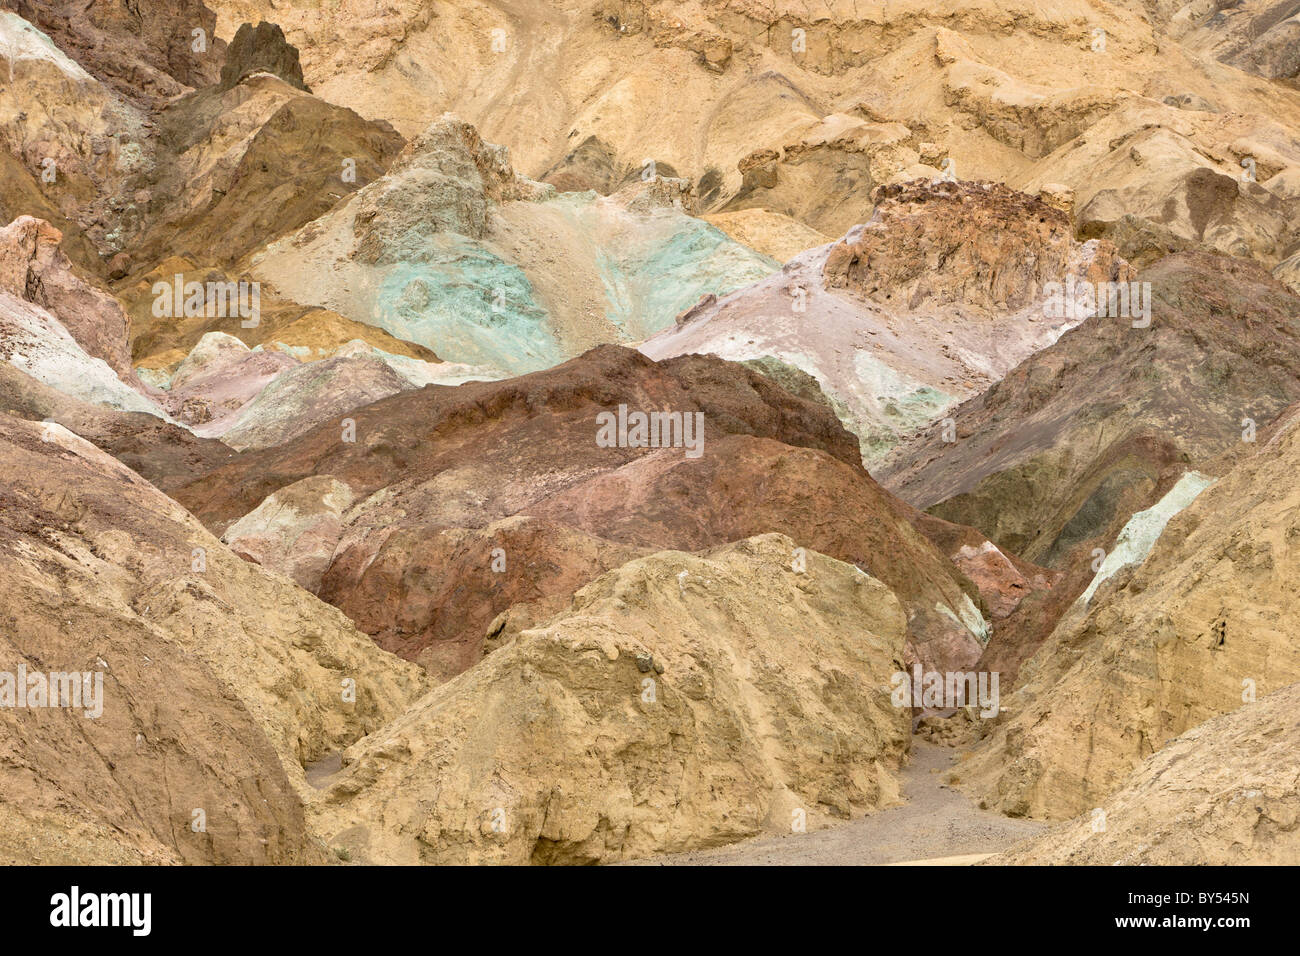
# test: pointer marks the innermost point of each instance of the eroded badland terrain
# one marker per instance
(591, 431)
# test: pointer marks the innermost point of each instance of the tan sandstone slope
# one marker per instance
(800, 110)
(1226, 793)
(682, 701)
(220, 680)
(1205, 625)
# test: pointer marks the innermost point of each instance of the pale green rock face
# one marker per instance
(156, 378)
(648, 283)
(1139, 536)
(468, 305)
(902, 406)
(452, 250)
(590, 271)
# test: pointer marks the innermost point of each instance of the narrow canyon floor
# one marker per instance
(937, 823)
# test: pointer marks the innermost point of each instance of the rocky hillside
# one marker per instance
(578, 432)
(1199, 628)
(437, 482)
(216, 681)
(931, 301)
(658, 687)
(1223, 793)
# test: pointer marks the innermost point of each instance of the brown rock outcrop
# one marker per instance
(261, 49)
(975, 244)
(222, 152)
(146, 52)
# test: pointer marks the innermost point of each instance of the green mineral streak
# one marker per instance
(652, 279)
(455, 296)
(1143, 530)
(906, 406)
(468, 306)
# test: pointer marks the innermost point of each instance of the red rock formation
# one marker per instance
(444, 476)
